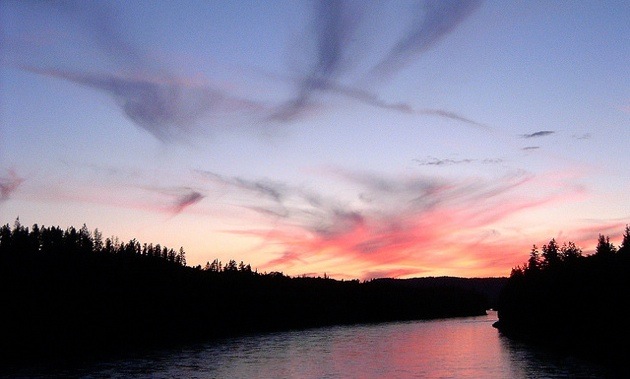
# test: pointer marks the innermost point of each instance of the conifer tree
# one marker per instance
(604, 247)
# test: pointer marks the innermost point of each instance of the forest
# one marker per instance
(69, 293)
(571, 302)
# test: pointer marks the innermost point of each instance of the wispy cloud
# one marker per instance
(542, 133)
(9, 183)
(286, 259)
(390, 223)
(168, 108)
(168, 201)
(186, 199)
(452, 116)
(122, 187)
(333, 25)
(264, 187)
(149, 95)
(282, 201)
(529, 148)
(171, 109)
(337, 47)
(385, 225)
(303, 105)
(100, 22)
(435, 19)
(432, 161)
(582, 136)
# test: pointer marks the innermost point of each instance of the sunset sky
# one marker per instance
(359, 139)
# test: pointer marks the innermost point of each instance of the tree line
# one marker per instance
(69, 292)
(565, 299)
(554, 257)
(70, 242)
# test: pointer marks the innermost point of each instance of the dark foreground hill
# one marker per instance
(490, 288)
(67, 293)
(573, 303)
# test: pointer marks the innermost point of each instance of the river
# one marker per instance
(446, 348)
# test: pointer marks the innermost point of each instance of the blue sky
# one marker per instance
(356, 138)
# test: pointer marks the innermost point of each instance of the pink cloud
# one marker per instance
(287, 259)
(423, 225)
(402, 227)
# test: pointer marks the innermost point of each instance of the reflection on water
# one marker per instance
(450, 348)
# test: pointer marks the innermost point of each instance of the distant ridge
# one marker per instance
(490, 287)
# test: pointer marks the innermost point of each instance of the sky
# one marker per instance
(356, 139)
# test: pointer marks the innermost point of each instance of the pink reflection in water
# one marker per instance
(457, 348)
(449, 348)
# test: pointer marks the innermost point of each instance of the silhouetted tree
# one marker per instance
(215, 266)
(604, 247)
(551, 254)
(244, 268)
(517, 272)
(20, 237)
(151, 250)
(570, 253)
(574, 302)
(533, 263)
(157, 250)
(171, 255)
(86, 243)
(35, 239)
(5, 239)
(97, 238)
(109, 246)
(181, 257)
(231, 266)
(624, 248)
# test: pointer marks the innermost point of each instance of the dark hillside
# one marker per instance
(489, 288)
(67, 293)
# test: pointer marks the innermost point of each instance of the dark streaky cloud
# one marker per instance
(184, 197)
(439, 17)
(542, 133)
(451, 115)
(167, 108)
(582, 136)
(100, 22)
(266, 188)
(336, 22)
(158, 102)
(8, 184)
(159, 108)
(187, 199)
(323, 216)
(150, 96)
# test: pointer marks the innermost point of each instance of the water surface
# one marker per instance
(446, 348)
